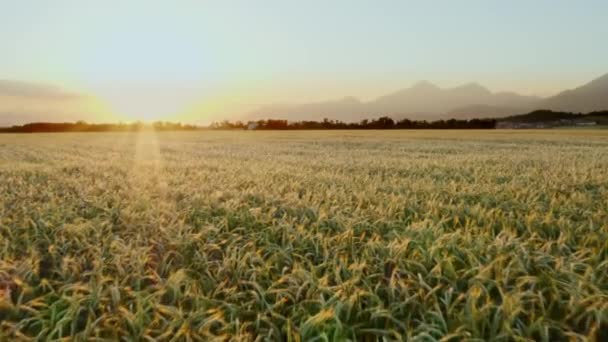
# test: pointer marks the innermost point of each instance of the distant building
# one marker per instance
(543, 124)
(519, 125)
(504, 125)
(252, 126)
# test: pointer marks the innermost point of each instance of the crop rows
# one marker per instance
(299, 236)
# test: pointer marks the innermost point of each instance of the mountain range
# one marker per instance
(426, 101)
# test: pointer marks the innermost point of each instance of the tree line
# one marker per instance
(81, 126)
(379, 123)
(545, 115)
(385, 122)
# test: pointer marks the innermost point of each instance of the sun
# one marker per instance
(146, 72)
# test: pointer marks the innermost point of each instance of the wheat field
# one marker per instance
(302, 236)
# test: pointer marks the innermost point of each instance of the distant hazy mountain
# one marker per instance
(425, 101)
(422, 101)
(485, 111)
(466, 101)
(590, 97)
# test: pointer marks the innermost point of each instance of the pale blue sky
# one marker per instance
(164, 56)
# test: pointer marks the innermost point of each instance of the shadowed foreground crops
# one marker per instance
(295, 236)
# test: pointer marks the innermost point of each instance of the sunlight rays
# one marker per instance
(147, 168)
(148, 177)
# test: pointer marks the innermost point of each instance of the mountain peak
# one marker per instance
(350, 99)
(472, 87)
(424, 85)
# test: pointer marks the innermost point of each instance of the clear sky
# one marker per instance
(152, 59)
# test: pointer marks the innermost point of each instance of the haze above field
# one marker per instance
(197, 61)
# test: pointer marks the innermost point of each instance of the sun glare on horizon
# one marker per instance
(147, 71)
